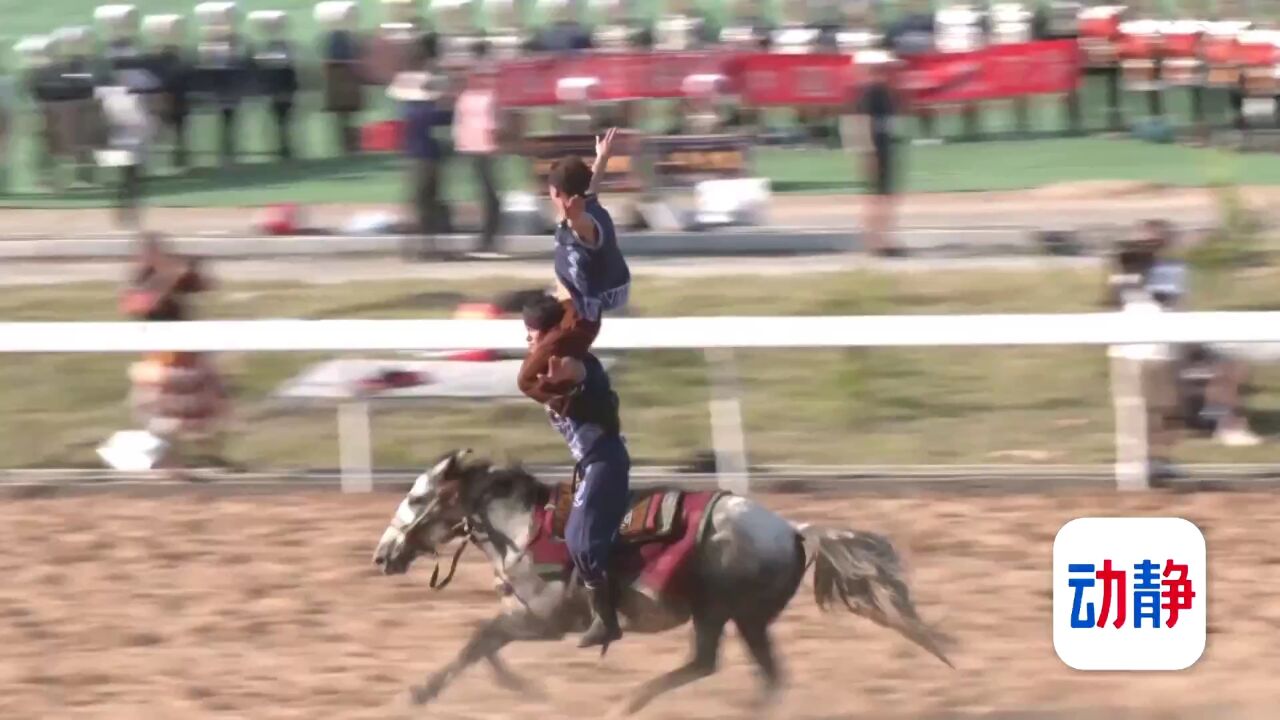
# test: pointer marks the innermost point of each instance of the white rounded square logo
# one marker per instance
(1129, 593)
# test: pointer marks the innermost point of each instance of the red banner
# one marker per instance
(778, 79)
(994, 72)
(773, 79)
(617, 76)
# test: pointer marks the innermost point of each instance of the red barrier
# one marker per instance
(994, 72)
(775, 79)
(770, 79)
(620, 76)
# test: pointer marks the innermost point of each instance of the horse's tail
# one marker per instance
(861, 570)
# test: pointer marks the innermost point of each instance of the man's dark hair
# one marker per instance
(543, 313)
(570, 176)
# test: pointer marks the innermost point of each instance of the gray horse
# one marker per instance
(748, 564)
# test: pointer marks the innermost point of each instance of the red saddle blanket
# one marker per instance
(656, 542)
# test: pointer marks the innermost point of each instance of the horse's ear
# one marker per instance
(442, 467)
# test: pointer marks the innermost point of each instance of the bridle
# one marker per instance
(462, 530)
(473, 529)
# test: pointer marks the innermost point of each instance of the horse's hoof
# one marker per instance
(420, 695)
(620, 711)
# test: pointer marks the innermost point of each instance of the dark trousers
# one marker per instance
(128, 196)
(282, 112)
(430, 212)
(489, 200)
(178, 126)
(348, 134)
(599, 504)
(228, 134)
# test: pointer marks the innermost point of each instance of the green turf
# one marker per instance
(1037, 405)
(1004, 165)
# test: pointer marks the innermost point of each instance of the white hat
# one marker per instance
(416, 87)
(342, 14)
(268, 21)
(166, 27)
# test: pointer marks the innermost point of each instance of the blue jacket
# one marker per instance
(420, 120)
(591, 419)
(598, 278)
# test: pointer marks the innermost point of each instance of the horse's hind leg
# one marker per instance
(707, 632)
(755, 635)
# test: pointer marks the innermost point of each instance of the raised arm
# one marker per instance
(604, 149)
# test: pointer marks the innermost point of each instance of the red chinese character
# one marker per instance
(1177, 592)
(1108, 576)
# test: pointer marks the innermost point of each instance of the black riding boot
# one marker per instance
(604, 618)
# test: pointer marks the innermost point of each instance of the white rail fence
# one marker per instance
(717, 336)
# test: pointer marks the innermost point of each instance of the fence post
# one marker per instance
(354, 446)
(1130, 403)
(727, 438)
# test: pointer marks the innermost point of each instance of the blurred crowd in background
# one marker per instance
(570, 67)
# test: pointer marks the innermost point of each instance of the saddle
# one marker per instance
(658, 538)
(654, 515)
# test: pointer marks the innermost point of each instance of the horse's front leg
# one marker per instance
(484, 644)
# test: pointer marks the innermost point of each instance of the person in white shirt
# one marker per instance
(475, 136)
(129, 131)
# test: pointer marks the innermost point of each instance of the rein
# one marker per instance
(453, 566)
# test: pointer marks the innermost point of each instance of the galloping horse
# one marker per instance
(706, 557)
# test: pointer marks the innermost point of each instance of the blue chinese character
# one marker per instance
(1146, 593)
(1079, 584)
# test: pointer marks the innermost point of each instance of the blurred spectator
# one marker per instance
(278, 76)
(177, 396)
(1223, 408)
(475, 136)
(563, 35)
(1142, 279)
(343, 89)
(174, 70)
(161, 283)
(1165, 280)
(1142, 263)
(914, 34)
(419, 94)
(129, 130)
(879, 105)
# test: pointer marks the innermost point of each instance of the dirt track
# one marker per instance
(267, 607)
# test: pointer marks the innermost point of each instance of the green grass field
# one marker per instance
(1024, 405)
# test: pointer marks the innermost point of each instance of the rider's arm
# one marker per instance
(597, 174)
(566, 372)
(576, 371)
(585, 227)
(604, 148)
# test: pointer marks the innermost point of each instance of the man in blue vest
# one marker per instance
(587, 417)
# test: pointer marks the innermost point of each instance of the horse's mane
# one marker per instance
(482, 478)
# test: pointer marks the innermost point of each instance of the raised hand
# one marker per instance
(604, 143)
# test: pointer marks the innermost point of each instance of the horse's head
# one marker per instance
(431, 515)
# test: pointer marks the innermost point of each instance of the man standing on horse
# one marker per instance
(587, 416)
(592, 276)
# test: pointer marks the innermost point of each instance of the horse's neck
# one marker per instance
(509, 524)
(510, 530)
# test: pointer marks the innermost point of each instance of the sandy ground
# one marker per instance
(267, 607)
(1067, 204)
